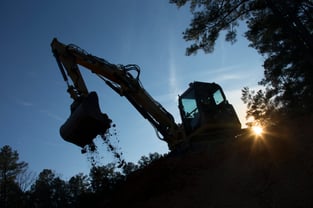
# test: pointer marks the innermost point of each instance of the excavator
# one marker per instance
(206, 115)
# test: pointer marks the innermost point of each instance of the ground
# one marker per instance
(273, 171)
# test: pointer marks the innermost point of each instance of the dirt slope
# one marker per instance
(274, 171)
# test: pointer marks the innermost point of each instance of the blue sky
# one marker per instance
(34, 102)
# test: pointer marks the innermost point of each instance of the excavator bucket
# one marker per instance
(85, 122)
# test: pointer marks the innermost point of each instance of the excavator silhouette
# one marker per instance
(206, 114)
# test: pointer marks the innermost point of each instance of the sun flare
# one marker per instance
(258, 130)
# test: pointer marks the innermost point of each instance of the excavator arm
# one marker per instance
(121, 79)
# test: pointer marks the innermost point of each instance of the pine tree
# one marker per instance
(281, 31)
(10, 168)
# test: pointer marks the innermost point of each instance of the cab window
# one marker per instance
(190, 107)
(218, 97)
(191, 112)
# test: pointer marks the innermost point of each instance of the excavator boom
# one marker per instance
(122, 81)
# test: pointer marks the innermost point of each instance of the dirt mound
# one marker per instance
(274, 171)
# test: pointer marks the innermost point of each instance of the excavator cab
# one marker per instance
(204, 107)
(85, 122)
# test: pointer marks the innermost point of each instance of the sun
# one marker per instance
(258, 130)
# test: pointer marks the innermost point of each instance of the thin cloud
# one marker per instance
(166, 98)
(173, 78)
(52, 115)
(23, 103)
(227, 77)
(212, 74)
(26, 104)
(225, 69)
